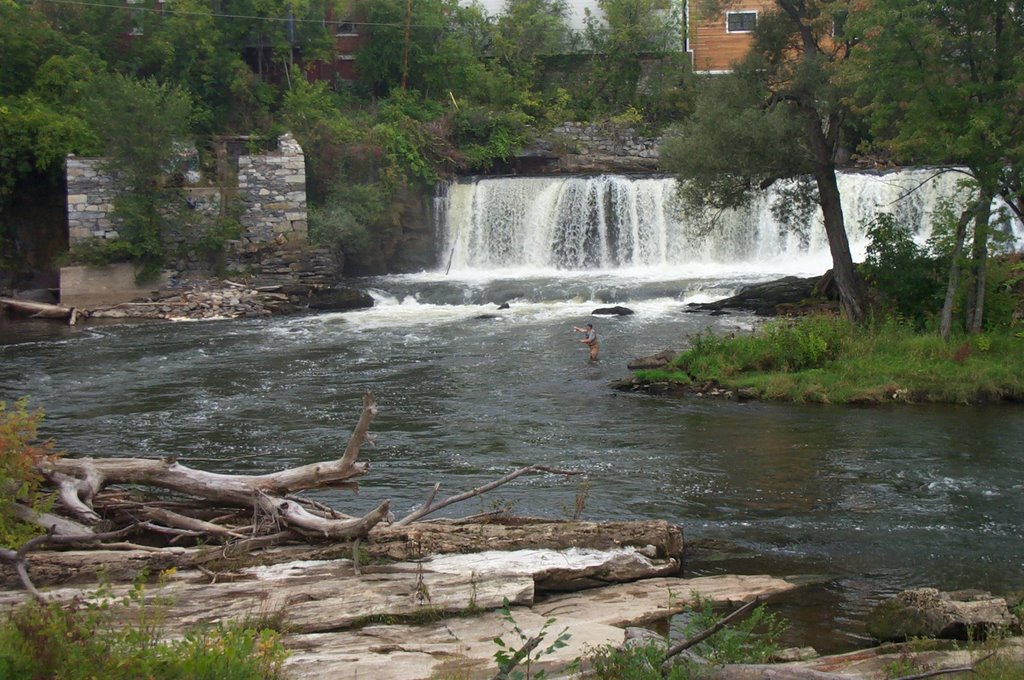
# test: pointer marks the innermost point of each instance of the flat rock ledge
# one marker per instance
(464, 647)
(436, 617)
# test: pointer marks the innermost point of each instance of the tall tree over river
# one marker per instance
(779, 115)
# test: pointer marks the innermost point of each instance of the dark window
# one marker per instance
(740, 22)
(839, 23)
(345, 28)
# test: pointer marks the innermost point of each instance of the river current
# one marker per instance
(867, 500)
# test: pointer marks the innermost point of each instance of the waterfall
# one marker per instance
(616, 222)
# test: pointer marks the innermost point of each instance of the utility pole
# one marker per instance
(405, 46)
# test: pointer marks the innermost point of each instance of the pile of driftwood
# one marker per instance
(109, 503)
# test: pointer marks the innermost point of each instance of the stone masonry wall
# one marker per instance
(605, 140)
(272, 191)
(91, 194)
(590, 148)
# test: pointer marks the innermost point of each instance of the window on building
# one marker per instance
(839, 23)
(740, 22)
(345, 28)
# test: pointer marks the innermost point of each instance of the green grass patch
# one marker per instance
(826, 359)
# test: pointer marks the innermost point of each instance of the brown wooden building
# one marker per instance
(716, 41)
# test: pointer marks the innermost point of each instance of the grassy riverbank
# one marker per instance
(826, 359)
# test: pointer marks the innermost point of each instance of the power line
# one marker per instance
(221, 15)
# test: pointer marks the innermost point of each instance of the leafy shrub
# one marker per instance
(484, 137)
(783, 345)
(81, 641)
(751, 640)
(348, 217)
(633, 663)
(904, 276)
(99, 252)
(509, 657)
(1004, 294)
(20, 482)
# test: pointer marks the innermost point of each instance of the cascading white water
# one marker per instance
(611, 222)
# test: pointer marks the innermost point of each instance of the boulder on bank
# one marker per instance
(766, 299)
(930, 613)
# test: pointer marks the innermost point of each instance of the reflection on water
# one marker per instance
(873, 500)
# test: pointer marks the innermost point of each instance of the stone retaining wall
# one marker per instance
(602, 139)
(287, 265)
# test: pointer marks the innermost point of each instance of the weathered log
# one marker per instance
(40, 310)
(559, 570)
(654, 538)
(657, 540)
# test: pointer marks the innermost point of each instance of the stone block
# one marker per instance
(93, 286)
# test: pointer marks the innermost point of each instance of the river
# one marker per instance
(871, 500)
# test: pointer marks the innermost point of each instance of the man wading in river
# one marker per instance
(589, 339)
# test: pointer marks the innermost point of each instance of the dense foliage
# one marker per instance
(20, 483)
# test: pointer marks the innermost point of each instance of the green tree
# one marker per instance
(40, 123)
(527, 31)
(941, 84)
(788, 84)
(435, 49)
(629, 34)
(39, 88)
(143, 125)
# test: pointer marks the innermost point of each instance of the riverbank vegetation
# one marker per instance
(904, 351)
(827, 359)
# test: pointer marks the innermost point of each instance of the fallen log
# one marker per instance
(655, 538)
(41, 310)
(79, 480)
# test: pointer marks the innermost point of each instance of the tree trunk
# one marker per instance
(658, 540)
(979, 265)
(848, 283)
(946, 322)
